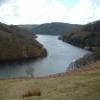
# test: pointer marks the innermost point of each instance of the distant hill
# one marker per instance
(27, 27)
(55, 28)
(16, 43)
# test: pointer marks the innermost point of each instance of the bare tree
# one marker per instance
(29, 71)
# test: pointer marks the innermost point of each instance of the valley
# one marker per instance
(38, 66)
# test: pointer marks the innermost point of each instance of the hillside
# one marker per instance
(51, 28)
(88, 36)
(16, 43)
(82, 84)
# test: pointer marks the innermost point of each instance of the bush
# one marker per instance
(33, 92)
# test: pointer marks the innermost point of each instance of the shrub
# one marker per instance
(33, 92)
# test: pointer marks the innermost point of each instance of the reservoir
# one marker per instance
(60, 55)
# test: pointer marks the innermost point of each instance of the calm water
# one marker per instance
(60, 55)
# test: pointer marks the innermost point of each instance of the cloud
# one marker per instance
(23, 11)
(3, 1)
(82, 12)
(42, 11)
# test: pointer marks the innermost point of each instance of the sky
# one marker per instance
(46, 11)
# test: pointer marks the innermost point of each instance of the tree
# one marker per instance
(30, 71)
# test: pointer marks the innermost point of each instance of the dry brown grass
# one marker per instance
(33, 92)
(80, 85)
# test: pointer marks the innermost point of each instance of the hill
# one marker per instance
(55, 28)
(16, 43)
(87, 36)
(27, 27)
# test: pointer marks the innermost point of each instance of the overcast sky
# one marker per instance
(44, 11)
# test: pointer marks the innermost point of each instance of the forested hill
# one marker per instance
(16, 43)
(88, 36)
(55, 28)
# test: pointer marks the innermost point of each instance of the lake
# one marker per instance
(60, 55)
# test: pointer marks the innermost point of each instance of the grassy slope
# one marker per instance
(79, 85)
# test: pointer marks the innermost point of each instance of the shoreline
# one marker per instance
(78, 64)
(87, 68)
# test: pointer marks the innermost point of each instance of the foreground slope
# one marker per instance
(83, 84)
(15, 43)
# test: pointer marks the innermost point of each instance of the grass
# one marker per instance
(83, 84)
(30, 93)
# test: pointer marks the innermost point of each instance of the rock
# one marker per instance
(85, 60)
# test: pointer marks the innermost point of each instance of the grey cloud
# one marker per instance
(3, 1)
